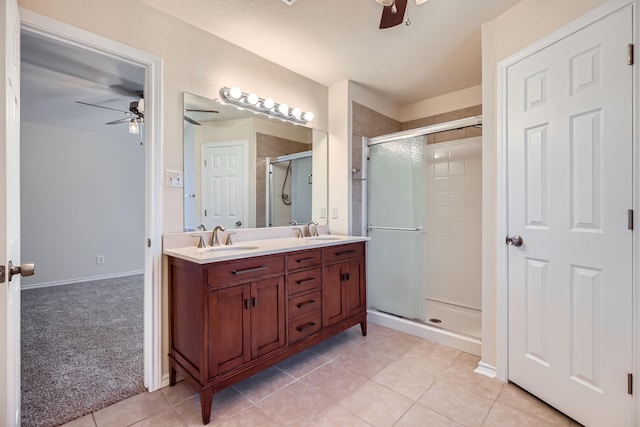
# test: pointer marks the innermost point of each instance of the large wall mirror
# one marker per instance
(246, 170)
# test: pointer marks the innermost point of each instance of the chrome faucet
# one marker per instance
(214, 237)
(293, 222)
(308, 231)
(201, 227)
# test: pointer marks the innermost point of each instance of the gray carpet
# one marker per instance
(82, 348)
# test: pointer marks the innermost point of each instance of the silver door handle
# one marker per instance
(514, 241)
(25, 269)
(238, 223)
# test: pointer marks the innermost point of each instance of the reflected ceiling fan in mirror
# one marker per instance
(196, 110)
(135, 115)
(393, 12)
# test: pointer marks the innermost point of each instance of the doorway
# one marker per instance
(151, 145)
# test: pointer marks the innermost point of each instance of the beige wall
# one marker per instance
(519, 27)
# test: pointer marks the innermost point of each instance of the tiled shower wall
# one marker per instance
(369, 123)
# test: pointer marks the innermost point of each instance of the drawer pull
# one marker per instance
(303, 304)
(300, 282)
(351, 251)
(255, 301)
(301, 260)
(246, 304)
(306, 326)
(249, 270)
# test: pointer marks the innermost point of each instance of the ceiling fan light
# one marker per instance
(385, 2)
(235, 92)
(134, 128)
(419, 2)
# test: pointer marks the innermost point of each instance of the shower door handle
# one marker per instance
(514, 241)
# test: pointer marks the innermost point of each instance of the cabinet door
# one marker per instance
(267, 315)
(229, 328)
(332, 307)
(354, 292)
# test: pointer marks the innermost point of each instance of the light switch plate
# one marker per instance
(173, 178)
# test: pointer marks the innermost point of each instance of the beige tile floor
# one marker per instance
(385, 379)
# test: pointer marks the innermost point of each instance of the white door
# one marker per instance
(10, 217)
(224, 190)
(569, 142)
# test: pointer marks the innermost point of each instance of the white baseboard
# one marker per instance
(80, 280)
(486, 370)
(440, 336)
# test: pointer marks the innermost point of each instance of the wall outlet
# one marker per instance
(99, 259)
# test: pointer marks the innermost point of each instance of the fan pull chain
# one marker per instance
(407, 21)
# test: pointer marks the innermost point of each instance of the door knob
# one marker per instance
(238, 223)
(514, 241)
(25, 269)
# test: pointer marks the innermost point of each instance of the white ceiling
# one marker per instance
(329, 41)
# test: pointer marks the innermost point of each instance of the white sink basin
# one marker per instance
(227, 248)
(323, 238)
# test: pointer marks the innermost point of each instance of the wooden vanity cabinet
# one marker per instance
(232, 319)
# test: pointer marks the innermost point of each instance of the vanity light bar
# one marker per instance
(250, 101)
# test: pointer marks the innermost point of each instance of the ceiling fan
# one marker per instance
(135, 115)
(195, 110)
(394, 11)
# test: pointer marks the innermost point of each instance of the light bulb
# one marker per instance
(269, 103)
(308, 116)
(252, 99)
(134, 129)
(235, 92)
(297, 113)
(283, 108)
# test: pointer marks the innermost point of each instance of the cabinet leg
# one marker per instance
(206, 402)
(363, 327)
(172, 376)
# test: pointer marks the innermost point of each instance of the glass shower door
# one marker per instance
(396, 211)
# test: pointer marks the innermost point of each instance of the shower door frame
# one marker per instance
(439, 335)
(269, 186)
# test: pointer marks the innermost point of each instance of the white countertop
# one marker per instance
(258, 248)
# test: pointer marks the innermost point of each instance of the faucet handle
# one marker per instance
(228, 241)
(297, 232)
(201, 242)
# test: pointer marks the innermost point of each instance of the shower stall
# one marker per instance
(423, 214)
(289, 189)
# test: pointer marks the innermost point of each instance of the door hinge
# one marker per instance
(2, 273)
(148, 243)
(629, 383)
(630, 219)
(630, 58)
(205, 212)
(205, 163)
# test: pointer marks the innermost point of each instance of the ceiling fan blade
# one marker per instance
(106, 108)
(115, 122)
(190, 120)
(390, 19)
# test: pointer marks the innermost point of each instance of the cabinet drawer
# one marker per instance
(304, 304)
(304, 259)
(242, 269)
(304, 281)
(343, 252)
(304, 326)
